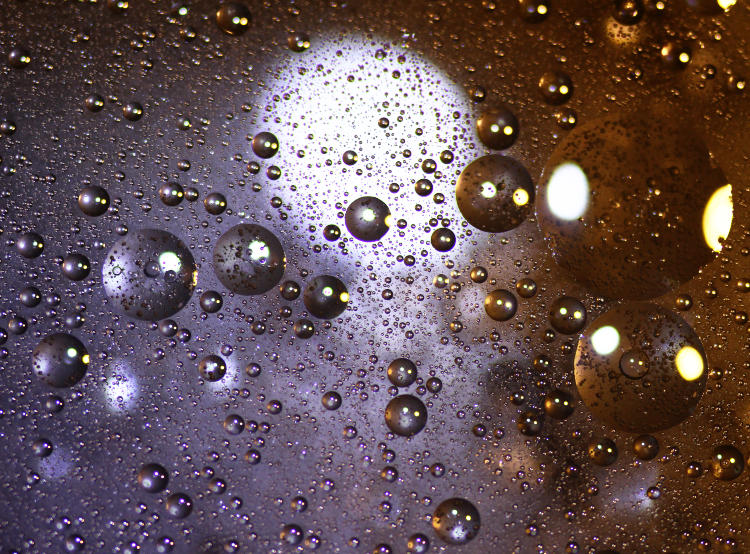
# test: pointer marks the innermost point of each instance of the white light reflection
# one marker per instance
(568, 192)
(689, 363)
(605, 340)
(717, 217)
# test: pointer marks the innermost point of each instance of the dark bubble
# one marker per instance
(76, 267)
(17, 325)
(30, 245)
(368, 218)
(650, 397)
(603, 452)
(234, 424)
(534, 11)
(526, 288)
(304, 328)
(727, 462)
(132, 111)
(350, 157)
(7, 127)
(60, 360)
(265, 144)
(500, 305)
(529, 422)
(443, 239)
(171, 194)
(298, 42)
(179, 505)
(478, 274)
(42, 447)
(252, 369)
(290, 290)
(211, 301)
(434, 385)
(291, 534)
(233, 18)
(402, 372)
(567, 315)
(558, 404)
(326, 297)
(658, 173)
(168, 327)
(93, 201)
(405, 415)
(30, 296)
(331, 400)
(629, 12)
(556, 87)
(249, 259)
(149, 274)
(423, 187)
(456, 521)
(19, 57)
(153, 478)
(215, 203)
(418, 544)
(332, 232)
(495, 193)
(645, 447)
(497, 128)
(212, 368)
(94, 103)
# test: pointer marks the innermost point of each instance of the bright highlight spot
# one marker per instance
(72, 352)
(717, 217)
(605, 340)
(489, 189)
(726, 4)
(327, 291)
(568, 192)
(258, 250)
(521, 197)
(169, 261)
(689, 363)
(368, 214)
(344, 297)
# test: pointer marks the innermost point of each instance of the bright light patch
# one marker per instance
(72, 352)
(568, 192)
(388, 220)
(689, 363)
(327, 291)
(726, 4)
(520, 197)
(169, 261)
(717, 217)
(368, 214)
(344, 297)
(605, 340)
(488, 189)
(258, 250)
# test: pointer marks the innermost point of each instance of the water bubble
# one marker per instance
(368, 218)
(304, 328)
(727, 462)
(526, 287)
(265, 145)
(42, 448)
(350, 157)
(249, 259)
(234, 424)
(233, 18)
(326, 297)
(132, 111)
(60, 360)
(556, 87)
(290, 290)
(405, 415)
(645, 447)
(558, 404)
(603, 452)
(443, 239)
(567, 315)
(529, 422)
(500, 305)
(640, 368)
(423, 187)
(402, 372)
(624, 204)
(179, 505)
(19, 57)
(497, 128)
(628, 12)
(30, 245)
(30, 296)
(93, 201)
(153, 478)
(456, 521)
(150, 274)
(298, 42)
(212, 368)
(94, 103)
(495, 193)
(331, 400)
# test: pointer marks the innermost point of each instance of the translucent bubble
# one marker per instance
(76, 267)
(93, 201)
(603, 452)
(443, 239)
(60, 360)
(368, 218)
(179, 505)
(567, 315)
(645, 447)
(265, 145)
(212, 368)
(132, 111)
(402, 372)
(622, 202)
(556, 87)
(406, 415)
(648, 379)
(249, 259)
(326, 297)
(30, 245)
(233, 18)
(149, 274)
(456, 521)
(495, 193)
(558, 404)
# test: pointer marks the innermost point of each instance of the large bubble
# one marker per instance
(150, 274)
(624, 204)
(249, 259)
(640, 368)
